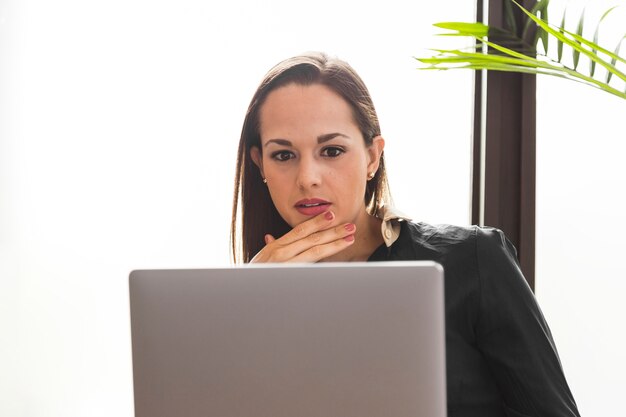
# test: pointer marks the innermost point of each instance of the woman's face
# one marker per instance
(314, 157)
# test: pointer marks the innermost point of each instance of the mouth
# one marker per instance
(312, 207)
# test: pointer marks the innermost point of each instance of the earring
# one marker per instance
(370, 175)
(264, 180)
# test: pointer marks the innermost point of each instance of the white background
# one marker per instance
(119, 122)
(581, 202)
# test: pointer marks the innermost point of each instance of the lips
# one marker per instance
(312, 207)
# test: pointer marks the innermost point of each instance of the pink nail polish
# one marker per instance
(349, 238)
(329, 215)
(350, 227)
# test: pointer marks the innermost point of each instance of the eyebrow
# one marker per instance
(320, 139)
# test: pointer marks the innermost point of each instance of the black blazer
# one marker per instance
(500, 356)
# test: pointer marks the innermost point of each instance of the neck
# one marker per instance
(366, 240)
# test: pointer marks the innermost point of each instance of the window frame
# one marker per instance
(504, 148)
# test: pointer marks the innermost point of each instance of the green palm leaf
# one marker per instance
(609, 74)
(579, 32)
(559, 45)
(507, 52)
(592, 67)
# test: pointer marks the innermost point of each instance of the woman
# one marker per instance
(311, 187)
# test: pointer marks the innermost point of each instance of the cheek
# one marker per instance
(277, 192)
(352, 185)
(280, 192)
(275, 177)
(358, 172)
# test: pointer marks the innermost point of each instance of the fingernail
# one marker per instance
(329, 215)
(265, 237)
(349, 238)
(350, 227)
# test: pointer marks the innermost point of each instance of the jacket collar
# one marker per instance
(390, 225)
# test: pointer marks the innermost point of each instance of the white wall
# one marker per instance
(581, 201)
(119, 122)
(581, 275)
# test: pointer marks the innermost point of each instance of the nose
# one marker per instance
(309, 173)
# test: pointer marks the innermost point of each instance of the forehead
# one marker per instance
(296, 110)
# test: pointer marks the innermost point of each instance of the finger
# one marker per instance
(284, 252)
(320, 222)
(319, 252)
(274, 251)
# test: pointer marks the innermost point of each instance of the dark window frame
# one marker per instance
(504, 149)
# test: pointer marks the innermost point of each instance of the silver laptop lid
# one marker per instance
(340, 339)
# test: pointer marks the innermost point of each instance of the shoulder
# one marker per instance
(448, 238)
(467, 250)
(454, 247)
(442, 232)
(440, 238)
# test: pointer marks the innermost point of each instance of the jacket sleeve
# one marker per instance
(514, 336)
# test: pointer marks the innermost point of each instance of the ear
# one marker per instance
(257, 158)
(375, 151)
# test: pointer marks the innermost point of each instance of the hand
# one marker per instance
(309, 241)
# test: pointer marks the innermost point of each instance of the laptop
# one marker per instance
(283, 340)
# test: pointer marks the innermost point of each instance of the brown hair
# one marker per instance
(252, 199)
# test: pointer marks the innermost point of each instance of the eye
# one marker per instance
(332, 151)
(282, 156)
